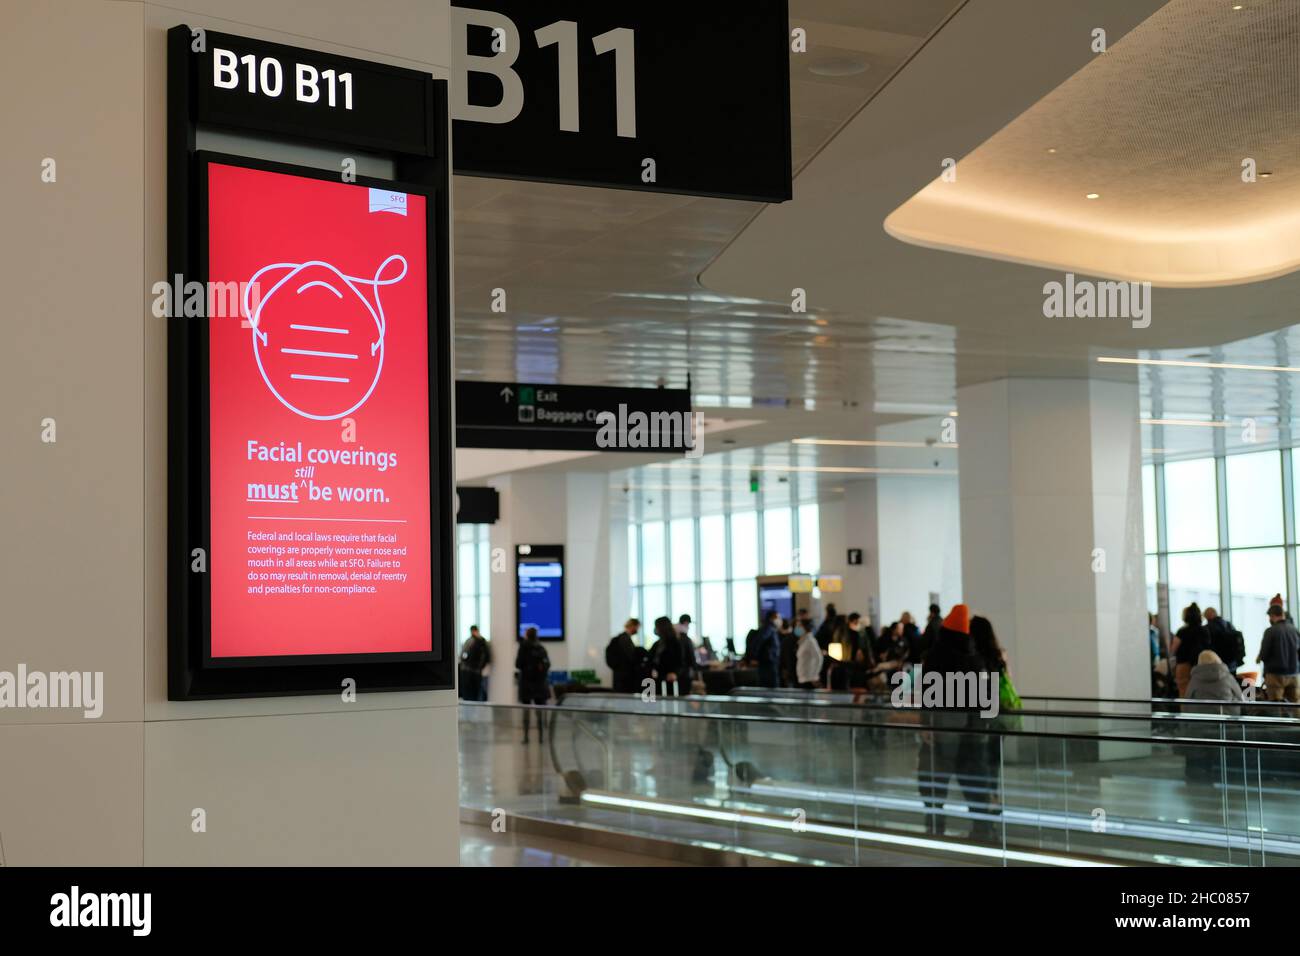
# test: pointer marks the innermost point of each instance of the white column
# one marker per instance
(1051, 531)
(569, 509)
(919, 541)
(288, 781)
(587, 547)
(851, 523)
(533, 511)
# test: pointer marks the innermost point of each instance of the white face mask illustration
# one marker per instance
(317, 339)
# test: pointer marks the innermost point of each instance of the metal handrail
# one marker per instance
(905, 727)
(1250, 719)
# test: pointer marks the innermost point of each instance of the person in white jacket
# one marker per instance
(808, 661)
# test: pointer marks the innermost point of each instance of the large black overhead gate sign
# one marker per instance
(575, 418)
(667, 97)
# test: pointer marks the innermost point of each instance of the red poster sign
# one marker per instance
(319, 418)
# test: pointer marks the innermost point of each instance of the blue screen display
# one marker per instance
(541, 601)
(778, 597)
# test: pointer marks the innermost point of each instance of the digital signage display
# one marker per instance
(539, 580)
(310, 458)
(778, 598)
(318, 395)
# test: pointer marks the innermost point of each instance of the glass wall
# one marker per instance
(473, 581)
(681, 561)
(1217, 530)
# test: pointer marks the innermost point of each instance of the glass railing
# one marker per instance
(1255, 708)
(1258, 707)
(1196, 720)
(942, 785)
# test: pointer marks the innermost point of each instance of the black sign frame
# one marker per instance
(536, 554)
(734, 146)
(486, 419)
(191, 674)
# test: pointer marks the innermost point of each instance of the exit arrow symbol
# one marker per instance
(507, 393)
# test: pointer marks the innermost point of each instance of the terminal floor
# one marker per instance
(479, 846)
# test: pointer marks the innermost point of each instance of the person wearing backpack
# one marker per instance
(621, 654)
(1225, 640)
(533, 665)
(475, 656)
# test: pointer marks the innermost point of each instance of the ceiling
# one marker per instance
(602, 285)
(617, 287)
(1156, 129)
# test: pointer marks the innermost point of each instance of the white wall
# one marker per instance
(572, 509)
(283, 780)
(587, 550)
(919, 544)
(851, 523)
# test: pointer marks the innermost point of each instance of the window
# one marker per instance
(652, 553)
(1254, 499)
(682, 601)
(778, 542)
(1191, 505)
(1149, 512)
(744, 610)
(810, 538)
(1153, 575)
(1193, 576)
(1247, 539)
(712, 622)
(705, 566)
(744, 544)
(654, 604)
(1257, 574)
(713, 548)
(681, 535)
(473, 580)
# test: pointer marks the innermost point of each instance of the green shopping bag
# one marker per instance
(1008, 699)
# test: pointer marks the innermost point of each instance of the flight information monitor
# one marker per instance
(539, 580)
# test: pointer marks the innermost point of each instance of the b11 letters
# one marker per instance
(564, 36)
(267, 77)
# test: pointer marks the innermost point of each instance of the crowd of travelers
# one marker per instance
(1202, 661)
(1205, 657)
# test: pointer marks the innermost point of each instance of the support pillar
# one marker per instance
(1051, 531)
(553, 508)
